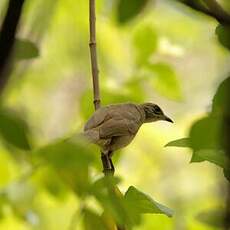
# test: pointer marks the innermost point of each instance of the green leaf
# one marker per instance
(93, 221)
(213, 218)
(25, 49)
(217, 157)
(223, 33)
(127, 10)
(220, 103)
(142, 203)
(183, 142)
(205, 134)
(64, 153)
(227, 174)
(102, 182)
(71, 160)
(145, 43)
(164, 80)
(49, 179)
(196, 158)
(13, 129)
(112, 200)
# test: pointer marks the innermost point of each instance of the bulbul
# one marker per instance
(114, 126)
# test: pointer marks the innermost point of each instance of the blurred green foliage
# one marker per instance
(165, 81)
(212, 217)
(14, 129)
(145, 42)
(125, 11)
(206, 136)
(25, 49)
(144, 204)
(223, 33)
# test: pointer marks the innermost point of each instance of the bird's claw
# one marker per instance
(107, 164)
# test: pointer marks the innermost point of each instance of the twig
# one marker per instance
(7, 37)
(211, 8)
(107, 167)
(218, 12)
(93, 54)
(196, 6)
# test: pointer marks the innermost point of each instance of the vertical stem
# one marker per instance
(95, 75)
(93, 55)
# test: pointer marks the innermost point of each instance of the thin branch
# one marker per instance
(196, 5)
(106, 162)
(211, 8)
(93, 54)
(218, 12)
(7, 37)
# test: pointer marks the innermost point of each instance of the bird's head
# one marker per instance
(154, 113)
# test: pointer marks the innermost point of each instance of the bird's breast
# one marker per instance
(120, 142)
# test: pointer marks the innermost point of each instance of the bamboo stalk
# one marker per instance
(107, 167)
(93, 55)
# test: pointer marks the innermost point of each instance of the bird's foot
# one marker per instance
(107, 164)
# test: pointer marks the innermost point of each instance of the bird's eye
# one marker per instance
(157, 109)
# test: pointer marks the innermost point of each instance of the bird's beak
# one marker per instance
(168, 119)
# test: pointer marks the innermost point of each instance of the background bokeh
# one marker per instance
(168, 54)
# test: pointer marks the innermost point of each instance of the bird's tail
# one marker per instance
(91, 135)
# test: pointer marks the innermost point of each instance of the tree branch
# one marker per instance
(218, 12)
(196, 5)
(211, 8)
(93, 54)
(106, 162)
(7, 37)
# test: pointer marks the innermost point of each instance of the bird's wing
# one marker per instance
(97, 119)
(124, 114)
(113, 127)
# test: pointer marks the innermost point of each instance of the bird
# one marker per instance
(114, 126)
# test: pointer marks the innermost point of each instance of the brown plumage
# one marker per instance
(114, 126)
